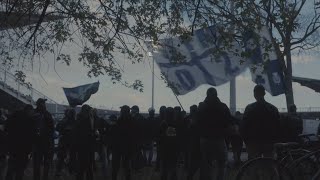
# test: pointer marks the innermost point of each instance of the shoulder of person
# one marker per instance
(272, 107)
(250, 106)
(224, 106)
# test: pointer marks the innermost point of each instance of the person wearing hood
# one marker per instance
(214, 121)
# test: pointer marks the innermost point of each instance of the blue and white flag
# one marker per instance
(203, 59)
(187, 64)
(265, 68)
(80, 94)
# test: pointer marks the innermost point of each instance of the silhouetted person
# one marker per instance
(169, 146)
(182, 127)
(140, 138)
(148, 145)
(3, 146)
(291, 125)
(159, 120)
(194, 142)
(83, 141)
(123, 143)
(100, 126)
(108, 136)
(20, 129)
(65, 129)
(259, 126)
(214, 120)
(235, 138)
(43, 142)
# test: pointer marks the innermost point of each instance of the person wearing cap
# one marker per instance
(259, 125)
(214, 121)
(20, 129)
(44, 140)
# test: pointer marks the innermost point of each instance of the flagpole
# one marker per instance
(152, 83)
(178, 100)
(152, 101)
(233, 104)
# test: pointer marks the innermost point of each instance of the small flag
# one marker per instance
(80, 94)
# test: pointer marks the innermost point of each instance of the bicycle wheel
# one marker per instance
(316, 176)
(263, 169)
(306, 167)
(292, 155)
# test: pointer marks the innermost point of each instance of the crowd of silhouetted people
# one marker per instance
(193, 141)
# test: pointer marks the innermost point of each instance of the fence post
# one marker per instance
(5, 79)
(31, 99)
(18, 92)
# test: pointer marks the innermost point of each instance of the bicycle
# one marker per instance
(276, 167)
(306, 167)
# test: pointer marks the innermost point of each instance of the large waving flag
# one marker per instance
(203, 59)
(80, 94)
(265, 68)
(190, 63)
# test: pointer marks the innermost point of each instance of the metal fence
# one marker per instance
(23, 92)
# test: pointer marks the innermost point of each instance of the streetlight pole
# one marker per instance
(152, 102)
(233, 96)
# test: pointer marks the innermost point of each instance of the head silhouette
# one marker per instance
(193, 109)
(259, 92)
(162, 111)
(212, 93)
(125, 110)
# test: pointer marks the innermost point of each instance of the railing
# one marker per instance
(29, 95)
(301, 109)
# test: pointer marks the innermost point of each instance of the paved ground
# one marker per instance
(147, 173)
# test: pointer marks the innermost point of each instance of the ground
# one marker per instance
(147, 173)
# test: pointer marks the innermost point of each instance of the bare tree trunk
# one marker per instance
(288, 79)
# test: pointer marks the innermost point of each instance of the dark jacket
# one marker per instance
(169, 142)
(65, 128)
(44, 129)
(291, 125)
(260, 123)
(214, 119)
(124, 134)
(83, 133)
(20, 129)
